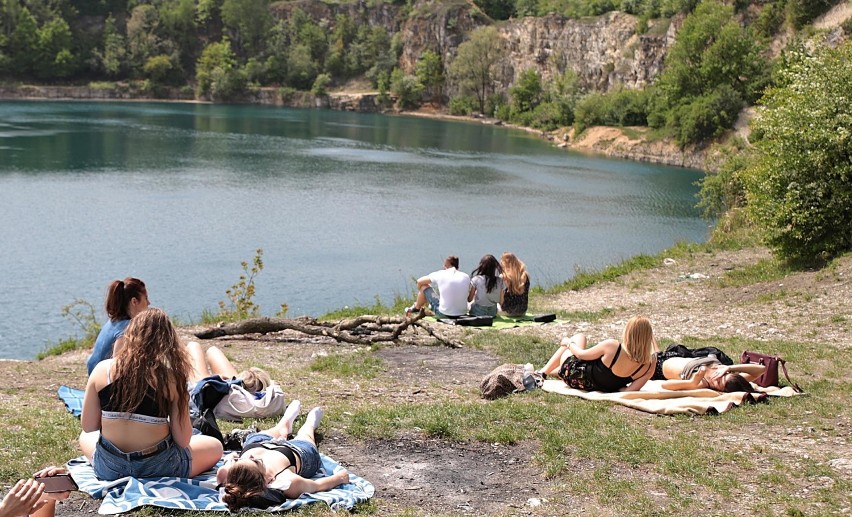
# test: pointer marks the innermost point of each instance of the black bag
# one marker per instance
(469, 321)
(544, 318)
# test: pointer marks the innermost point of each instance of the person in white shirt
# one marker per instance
(452, 285)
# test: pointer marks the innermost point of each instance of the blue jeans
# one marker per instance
(166, 459)
(481, 310)
(434, 302)
(305, 450)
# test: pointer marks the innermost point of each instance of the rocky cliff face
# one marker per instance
(604, 52)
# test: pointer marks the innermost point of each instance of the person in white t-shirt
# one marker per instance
(452, 288)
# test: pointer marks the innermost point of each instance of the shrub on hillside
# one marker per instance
(798, 187)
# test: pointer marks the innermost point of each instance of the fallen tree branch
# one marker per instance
(362, 330)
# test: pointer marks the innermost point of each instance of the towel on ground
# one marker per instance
(200, 493)
(653, 398)
(505, 322)
(73, 399)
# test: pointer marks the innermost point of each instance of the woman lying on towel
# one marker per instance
(608, 366)
(136, 408)
(271, 469)
(685, 373)
(214, 362)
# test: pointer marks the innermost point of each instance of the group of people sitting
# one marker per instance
(136, 417)
(612, 366)
(492, 286)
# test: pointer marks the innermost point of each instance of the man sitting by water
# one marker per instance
(453, 287)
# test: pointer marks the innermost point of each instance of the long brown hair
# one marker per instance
(244, 484)
(119, 294)
(153, 357)
(490, 269)
(515, 275)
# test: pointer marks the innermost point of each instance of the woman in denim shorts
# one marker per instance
(136, 408)
(271, 469)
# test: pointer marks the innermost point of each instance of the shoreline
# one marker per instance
(599, 141)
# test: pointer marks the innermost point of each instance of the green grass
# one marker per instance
(359, 364)
(397, 307)
(764, 271)
(587, 278)
(64, 345)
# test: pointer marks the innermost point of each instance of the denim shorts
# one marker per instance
(307, 452)
(167, 460)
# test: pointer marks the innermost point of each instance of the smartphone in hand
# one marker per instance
(58, 483)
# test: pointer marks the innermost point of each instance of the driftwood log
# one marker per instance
(363, 330)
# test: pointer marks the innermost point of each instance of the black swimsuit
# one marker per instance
(594, 375)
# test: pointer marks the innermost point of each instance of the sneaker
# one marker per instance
(411, 310)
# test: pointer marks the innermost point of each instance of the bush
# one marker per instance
(320, 87)
(706, 116)
(618, 108)
(463, 105)
(798, 188)
(407, 89)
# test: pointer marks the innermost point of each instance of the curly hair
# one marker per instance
(151, 358)
(245, 483)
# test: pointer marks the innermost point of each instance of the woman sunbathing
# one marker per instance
(271, 469)
(608, 366)
(214, 362)
(685, 373)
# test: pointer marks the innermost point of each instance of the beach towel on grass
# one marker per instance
(73, 399)
(504, 322)
(199, 493)
(652, 398)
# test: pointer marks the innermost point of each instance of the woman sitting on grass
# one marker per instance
(125, 299)
(486, 287)
(214, 362)
(136, 408)
(515, 296)
(271, 469)
(608, 366)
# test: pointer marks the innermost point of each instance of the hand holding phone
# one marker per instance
(57, 483)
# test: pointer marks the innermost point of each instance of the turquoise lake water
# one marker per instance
(347, 207)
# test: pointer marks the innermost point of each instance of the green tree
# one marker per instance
(159, 68)
(23, 43)
(217, 74)
(320, 86)
(527, 92)
(799, 188)
(714, 63)
(407, 89)
(473, 69)
(430, 72)
(53, 57)
(143, 40)
(111, 58)
(247, 22)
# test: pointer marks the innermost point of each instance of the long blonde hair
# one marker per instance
(151, 358)
(638, 340)
(515, 275)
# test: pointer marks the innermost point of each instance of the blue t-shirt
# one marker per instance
(106, 340)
